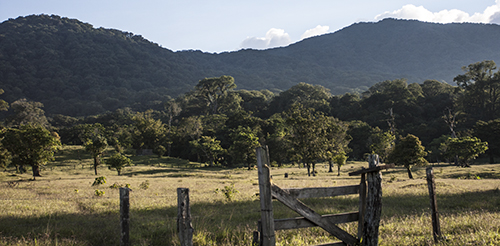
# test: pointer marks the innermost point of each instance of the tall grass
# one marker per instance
(61, 207)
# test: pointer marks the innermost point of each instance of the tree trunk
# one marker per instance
(330, 169)
(96, 163)
(36, 171)
(410, 176)
(314, 169)
(308, 169)
(338, 174)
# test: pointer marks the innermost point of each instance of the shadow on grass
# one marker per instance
(228, 223)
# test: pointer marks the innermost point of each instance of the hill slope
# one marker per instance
(76, 69)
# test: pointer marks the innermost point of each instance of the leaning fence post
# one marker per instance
(266, 206)
(124, 217)
(373, 203)
(184, 226)
(436, 228)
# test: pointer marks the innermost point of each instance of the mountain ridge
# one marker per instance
(61, 61)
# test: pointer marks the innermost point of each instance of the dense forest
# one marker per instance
(62, 81)
(76, 69)
(219, 125)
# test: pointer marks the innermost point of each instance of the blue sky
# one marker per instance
(228, 25)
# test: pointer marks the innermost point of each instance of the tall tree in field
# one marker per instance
(214, 90)
(31, 145)
(489, 132)
(118, 162)
(481, 84)
(466, 148)
(408, 152)
(306, 135)
(95, 142)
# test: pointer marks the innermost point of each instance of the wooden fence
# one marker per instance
(368, 215)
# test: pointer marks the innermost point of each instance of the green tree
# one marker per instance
(149, 133)
(381, 143)
(307, 135)
(466, 148)
(408, 152)
(118, 162)
(276, 139)
(481, 83)
(95, 142)
(31, 145)
(4, 106)
(209, 147)
(489, 132)
(244, 142)
(27, 112)
(213, 90)
(339, 159)
(310, 96)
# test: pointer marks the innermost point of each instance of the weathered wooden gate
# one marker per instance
(289, 197)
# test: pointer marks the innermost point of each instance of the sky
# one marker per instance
(228, 25)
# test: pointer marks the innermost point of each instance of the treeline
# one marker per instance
(219, 125)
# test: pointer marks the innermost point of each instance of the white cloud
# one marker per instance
(490, 15)
(274, 38)
(318, 30)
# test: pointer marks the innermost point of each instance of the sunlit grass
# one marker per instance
(61, 208)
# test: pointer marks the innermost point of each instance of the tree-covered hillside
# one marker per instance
(76, 69)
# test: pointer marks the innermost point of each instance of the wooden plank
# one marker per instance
(266, 206)
(362, 205)
(301, 222)
(372, 169)
(299, 207)
(323, 191)
(333, 244)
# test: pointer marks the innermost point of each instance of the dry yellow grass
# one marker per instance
(61, 207)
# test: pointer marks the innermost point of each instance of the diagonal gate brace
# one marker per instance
(299, 207)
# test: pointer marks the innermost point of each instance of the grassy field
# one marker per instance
(62, 208)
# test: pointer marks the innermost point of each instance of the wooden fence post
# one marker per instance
(373, 203)
(124, 217)
(266, 206)
(184, 226)
(436, 228)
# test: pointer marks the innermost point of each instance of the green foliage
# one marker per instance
(27, 112)
(482, 90)
(94, 141)
(30, 145)
(213, 93)
(229, 192)
(118, 161)
(99, 193)
(466, 148)
(489, 132)
(99, 181)
(144, 185)
(381, 143)
(209, 147)
(244, 141)
(408, 152)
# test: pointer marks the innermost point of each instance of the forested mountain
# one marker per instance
(76, 69)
